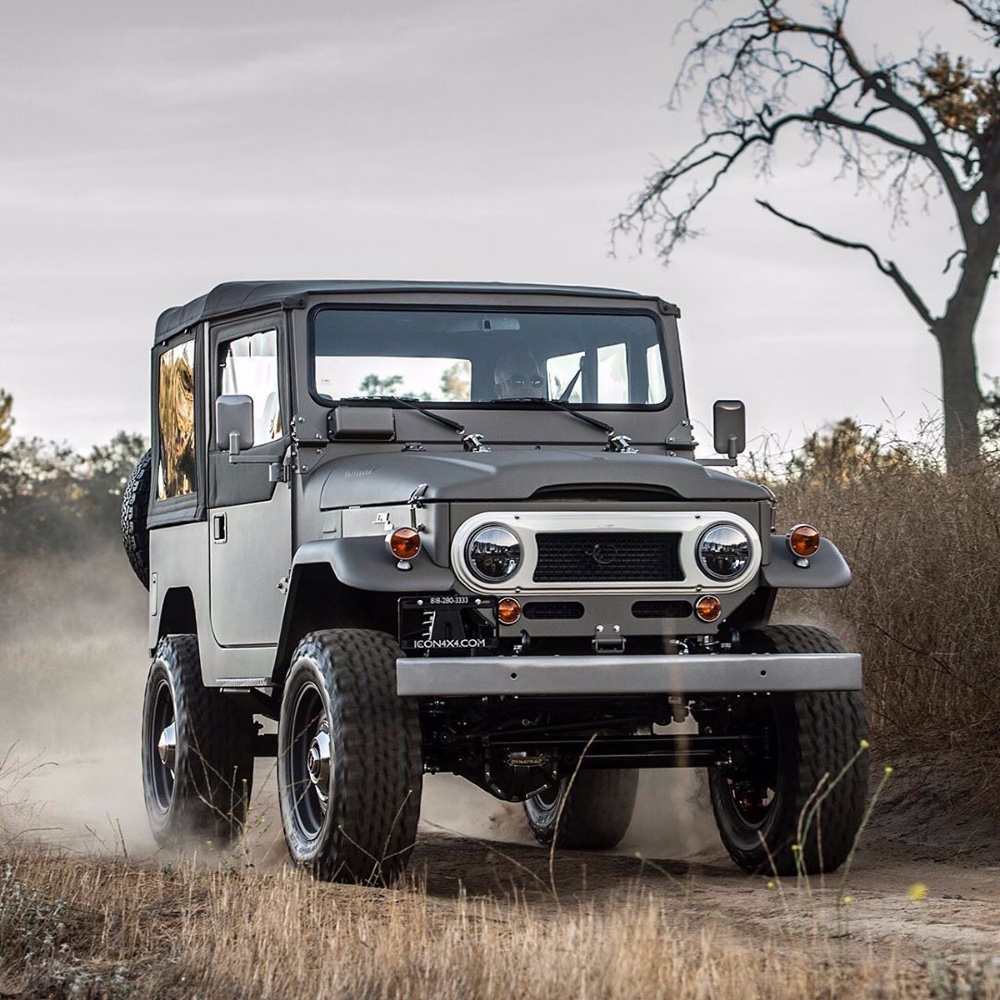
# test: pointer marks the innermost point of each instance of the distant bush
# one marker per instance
(55, 500)
(924, 607)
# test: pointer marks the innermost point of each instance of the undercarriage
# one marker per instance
(517, 747)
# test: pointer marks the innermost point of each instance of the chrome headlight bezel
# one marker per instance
(509, 550)
(739, 539)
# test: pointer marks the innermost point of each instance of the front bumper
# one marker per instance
(610, 675)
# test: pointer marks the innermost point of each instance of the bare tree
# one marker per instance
(914, 129)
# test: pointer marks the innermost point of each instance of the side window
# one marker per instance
(175, 475)
(250, 368)
(655, 380)
(565, 372)
(612, 374)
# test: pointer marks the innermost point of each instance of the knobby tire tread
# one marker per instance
(828, 727)
(214, 780)
(135, 511)
(378, 749)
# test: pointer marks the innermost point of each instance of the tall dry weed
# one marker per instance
(924, 605)
(117, 930)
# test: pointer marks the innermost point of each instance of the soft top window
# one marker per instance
(176, 465)
(476, 357)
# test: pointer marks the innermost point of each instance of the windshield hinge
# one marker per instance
(475, 442)
(621, 443)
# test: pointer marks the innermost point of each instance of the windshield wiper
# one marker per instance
(472, 442)
(616, 442)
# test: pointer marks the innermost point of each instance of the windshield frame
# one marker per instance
(511, 309)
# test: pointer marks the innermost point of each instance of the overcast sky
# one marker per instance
(148, 152)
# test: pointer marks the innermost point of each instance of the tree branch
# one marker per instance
(990, 23)
(887, 268)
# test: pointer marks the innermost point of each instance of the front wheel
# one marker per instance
(808, 748)
(349, 758)
(590, 812)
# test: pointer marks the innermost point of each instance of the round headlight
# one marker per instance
(493, 553)
(724, 551)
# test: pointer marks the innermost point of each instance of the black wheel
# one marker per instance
(760, 803)
(197, 750)
(350, 768)
(596, 810)
(135, 509)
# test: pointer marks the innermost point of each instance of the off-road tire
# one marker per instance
(815, 735)
(359, 822)
(135, 510)
(207, 792)
(596, 810)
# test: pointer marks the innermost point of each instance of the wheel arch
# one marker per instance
(177, 613)
(318, 599)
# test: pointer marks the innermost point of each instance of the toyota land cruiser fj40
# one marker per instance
(460, 527)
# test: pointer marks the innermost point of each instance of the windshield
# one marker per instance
(475, 357)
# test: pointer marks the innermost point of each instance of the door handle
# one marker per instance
(219, 526)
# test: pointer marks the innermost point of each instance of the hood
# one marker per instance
(391, 478)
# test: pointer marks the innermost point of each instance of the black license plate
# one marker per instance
(448, 624)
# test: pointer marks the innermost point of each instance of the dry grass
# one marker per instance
(132, 931)
(924, 548)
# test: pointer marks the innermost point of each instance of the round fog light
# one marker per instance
(508, 610)
(803, 540)
(404, 543)
(708, 608)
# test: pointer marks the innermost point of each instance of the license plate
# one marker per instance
(449, 623)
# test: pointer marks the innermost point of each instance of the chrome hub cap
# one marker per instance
(166, 748)
(318, 763)
(159, 752)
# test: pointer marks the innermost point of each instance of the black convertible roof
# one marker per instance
(240, 296)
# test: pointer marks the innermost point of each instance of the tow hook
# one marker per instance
(605, 641)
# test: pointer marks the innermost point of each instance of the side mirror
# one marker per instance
(234, 423)
(730, 421)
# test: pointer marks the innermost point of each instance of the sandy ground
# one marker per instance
(470, 843)
(70, 702)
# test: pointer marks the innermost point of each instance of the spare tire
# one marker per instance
(135, 509)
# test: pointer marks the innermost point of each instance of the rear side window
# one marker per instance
(175, 475)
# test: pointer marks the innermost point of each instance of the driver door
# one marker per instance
(250, 517)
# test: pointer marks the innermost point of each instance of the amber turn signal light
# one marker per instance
(708, 608)
(508, 610)
(404, 543)
(803, 540)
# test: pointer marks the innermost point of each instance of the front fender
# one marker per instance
(827, 569)
(366, 564)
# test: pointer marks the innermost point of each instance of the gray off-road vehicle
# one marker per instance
(460, 527)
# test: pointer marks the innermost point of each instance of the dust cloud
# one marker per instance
(72, 672)
(73, 662)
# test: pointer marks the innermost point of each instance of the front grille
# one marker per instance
(608, 557)
(661, 609)
(553, 610)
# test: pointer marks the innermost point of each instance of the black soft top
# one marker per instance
(240, 296)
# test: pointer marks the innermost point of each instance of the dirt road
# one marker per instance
(937, 892)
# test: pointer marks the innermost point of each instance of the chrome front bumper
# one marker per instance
(609, 675)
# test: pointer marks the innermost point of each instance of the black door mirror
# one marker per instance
(234, 423)
(730, 420)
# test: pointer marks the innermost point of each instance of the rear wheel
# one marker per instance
(761, 803)
(349, 758)
(197, 750)
(592, 813)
